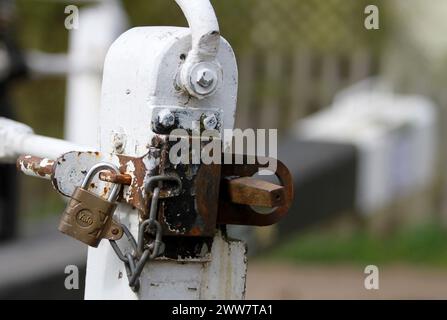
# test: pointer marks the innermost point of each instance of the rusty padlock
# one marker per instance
(88, 217)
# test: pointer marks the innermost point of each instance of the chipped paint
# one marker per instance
(35, 166)
(71, 168)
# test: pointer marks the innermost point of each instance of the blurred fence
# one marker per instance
(296, 55)
(277, 89)
(293, 55)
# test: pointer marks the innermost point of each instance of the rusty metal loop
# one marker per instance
(232, 213)
(154, 204)
(150, 184)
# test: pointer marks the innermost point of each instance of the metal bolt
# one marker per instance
(210, 122)
(166, 118)
(205, 78)
(118, 142)
(119, 147)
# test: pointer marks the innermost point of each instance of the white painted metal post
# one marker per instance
(161, 67)
(99, 26)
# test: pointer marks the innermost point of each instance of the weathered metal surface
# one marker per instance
(139, 169)
(187, 119)
(233, 213)
(71, 168)
(193, 212)
(205, 200)
(254, 192)
(108, 176)
(35, 166)
(70, 171)
(225, 275)
(187, 248)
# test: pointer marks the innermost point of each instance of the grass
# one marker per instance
(425, 244)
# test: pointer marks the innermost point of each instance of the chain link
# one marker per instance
(141, 251)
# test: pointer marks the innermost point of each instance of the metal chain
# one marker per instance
(141, 252)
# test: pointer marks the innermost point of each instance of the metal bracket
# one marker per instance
(202, 203)
(201, 74)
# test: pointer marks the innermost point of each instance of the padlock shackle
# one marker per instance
(98, 168)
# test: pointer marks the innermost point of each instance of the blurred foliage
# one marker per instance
(273, 24)
(45, 114)
(326, 25)
(424, 244)
(321, 25)
(41, 25)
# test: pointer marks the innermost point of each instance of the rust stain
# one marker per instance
(35, 166)
(196, 231)
(157, 141)
(207, 193)
(108, 176)
(233, 213)
(133, 176)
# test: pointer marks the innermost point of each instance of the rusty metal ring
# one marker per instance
(231, 213)
(151, 181)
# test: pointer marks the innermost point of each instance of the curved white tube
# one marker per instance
(17, 138)
(204, 27)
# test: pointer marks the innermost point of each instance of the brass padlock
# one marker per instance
(88, 217)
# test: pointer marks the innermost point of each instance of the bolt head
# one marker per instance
(205, 78)
(201, 79)
(210, 122)
(166, 118)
